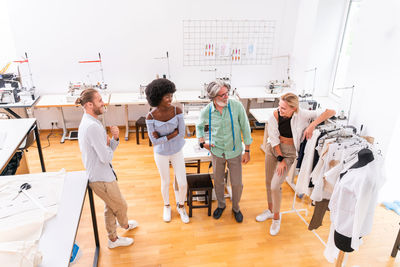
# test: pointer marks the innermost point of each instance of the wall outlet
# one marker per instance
(53, 123)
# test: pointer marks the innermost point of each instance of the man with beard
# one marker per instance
(227, 122)
(97, 152)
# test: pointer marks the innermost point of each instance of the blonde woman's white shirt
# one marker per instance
(299, 122)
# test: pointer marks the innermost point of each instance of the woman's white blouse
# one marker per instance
(300, 121)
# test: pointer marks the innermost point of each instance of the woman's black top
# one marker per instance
(284, 126)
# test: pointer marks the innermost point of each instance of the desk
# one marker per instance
(250, 93)
(126, 99)
(134, 98)
(189, 96)
(59, 232)
(262, 115)
(192, 152)
(59, 102)
(25, 103)
(17, 130)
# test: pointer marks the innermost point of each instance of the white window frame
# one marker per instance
(333, 92)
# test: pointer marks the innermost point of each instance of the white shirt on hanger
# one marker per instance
(353, 203)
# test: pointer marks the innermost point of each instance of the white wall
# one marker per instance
(374, 70)
(129, 34)
(319, 25)
(7, 45)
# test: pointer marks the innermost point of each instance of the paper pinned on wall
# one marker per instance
(224, 50)
(251, 49)
(209, 50)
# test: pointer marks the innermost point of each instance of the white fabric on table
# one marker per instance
(22, 221)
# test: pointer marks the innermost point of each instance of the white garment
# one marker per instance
(353, 202)
(3, 137)
(178, 163)
(22, 221)
(317, 175)
(20, 254)
(96, 154)
(299, 122)
(303, 179)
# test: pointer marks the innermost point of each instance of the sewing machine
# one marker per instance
(75, 89)
(275, 87)
(9, 88)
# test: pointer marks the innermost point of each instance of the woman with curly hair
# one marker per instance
(166, 129)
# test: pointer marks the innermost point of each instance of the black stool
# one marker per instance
(140, 125)
(199, 182)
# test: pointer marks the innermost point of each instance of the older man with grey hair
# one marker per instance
(227, 121)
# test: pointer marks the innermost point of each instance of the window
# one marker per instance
(345, 49)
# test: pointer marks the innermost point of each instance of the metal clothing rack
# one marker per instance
(297, 211)
(342, 257)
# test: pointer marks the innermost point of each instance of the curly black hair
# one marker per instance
(157, 89)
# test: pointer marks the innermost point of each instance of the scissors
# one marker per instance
(24, 186)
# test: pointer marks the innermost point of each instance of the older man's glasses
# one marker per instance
(223, 95)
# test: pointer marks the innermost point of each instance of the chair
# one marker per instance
(140, 126)
(199, 182)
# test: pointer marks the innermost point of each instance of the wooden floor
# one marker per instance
(206, 241)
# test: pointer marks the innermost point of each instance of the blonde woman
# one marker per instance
(288, 126)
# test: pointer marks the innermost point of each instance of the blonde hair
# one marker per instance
(292, 100)
(86, 96)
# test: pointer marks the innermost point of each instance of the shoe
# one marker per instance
(275, 227)
(120, 242)
(167, 214)
(218, 212)
(184, 216)
(132, 224)
(267, 214)
(238, 216)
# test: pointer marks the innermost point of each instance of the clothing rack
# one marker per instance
(331, 131)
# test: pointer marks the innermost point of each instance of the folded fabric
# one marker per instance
(395, 206)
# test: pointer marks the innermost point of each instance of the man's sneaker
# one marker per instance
(275, 227)
(267, 214)
(120, 242)
(167, 214)
(132, 224)
(184, 216)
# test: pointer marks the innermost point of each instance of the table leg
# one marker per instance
(265, 139)
(15, 115)
(39, 147)
(64, 127)
(126, 123)
(248, 106)
(95, 229)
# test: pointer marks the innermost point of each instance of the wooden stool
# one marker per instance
(140, 125)
(199, 182)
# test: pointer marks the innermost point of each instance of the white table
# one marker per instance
(134, 98)
(126, 99)
(258, 92)
(59, 232)
(60, 102)
(262, 115)
(16, 132)
(189, 96)
(24, 103)
(193, 152)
